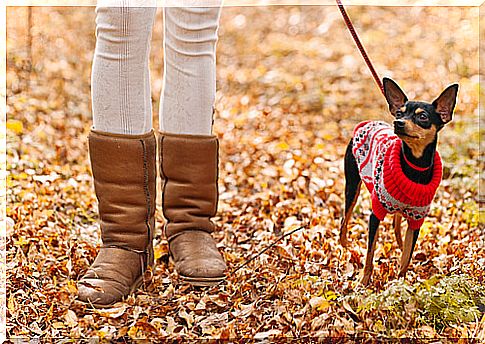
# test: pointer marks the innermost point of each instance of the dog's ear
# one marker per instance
(446, 102)
(394, 95)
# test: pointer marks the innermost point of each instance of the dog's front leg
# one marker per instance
(371, 246)
(407, 252)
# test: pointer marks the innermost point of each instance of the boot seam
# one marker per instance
(147, 196)
(216, 181)
(126, 248)
(188, 136)
(192, 229)
(165, 181)
(121, 136)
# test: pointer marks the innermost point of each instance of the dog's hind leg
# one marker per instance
(352, 190)
(409, 243)
(396, 223)
(371, 246)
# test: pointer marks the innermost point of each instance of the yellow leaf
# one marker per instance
(10, 182)
(16, 126)
(378, 326)
(48, 315)
(239, 121)
(283, 146)
(160, 251)
(21, 175)
(157, 322)
(21, 241)
(41, 135)
(321, 146)
(319, 303)
(71, 287)
(323, 306)
(132, 331)
(425, 229)
(135, 333)
(387, 247)
(11, 304)
(102, 334)
(262, 69)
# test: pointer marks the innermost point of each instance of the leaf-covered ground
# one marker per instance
(291, 87)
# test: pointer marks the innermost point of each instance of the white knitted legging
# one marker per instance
(120, 80)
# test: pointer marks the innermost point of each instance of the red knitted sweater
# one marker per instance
(377, 151)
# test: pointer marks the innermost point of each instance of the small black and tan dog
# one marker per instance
(399, 166)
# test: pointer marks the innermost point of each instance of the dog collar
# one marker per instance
(413, 166)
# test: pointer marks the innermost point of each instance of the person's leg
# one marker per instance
(120, 78)
(189, 83)
(188, 150)
(122, 151)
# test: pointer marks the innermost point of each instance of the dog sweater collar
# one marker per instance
(401, 187)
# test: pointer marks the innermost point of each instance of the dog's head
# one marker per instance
(417, 123)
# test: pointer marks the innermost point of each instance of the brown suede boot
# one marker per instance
(189, 171)
(124, 173)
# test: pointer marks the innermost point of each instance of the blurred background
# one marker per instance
(291, 85)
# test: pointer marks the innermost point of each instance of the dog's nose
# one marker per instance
(399, 124)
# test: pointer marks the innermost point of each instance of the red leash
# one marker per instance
(350, 26)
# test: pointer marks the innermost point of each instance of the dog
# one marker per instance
(399, 165)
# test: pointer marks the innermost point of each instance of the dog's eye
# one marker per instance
(423, 116)
(399, 114)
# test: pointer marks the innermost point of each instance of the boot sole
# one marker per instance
(198, 281)
(202, 281)
(138, 282)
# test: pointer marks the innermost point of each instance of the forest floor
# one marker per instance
(290, 88)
